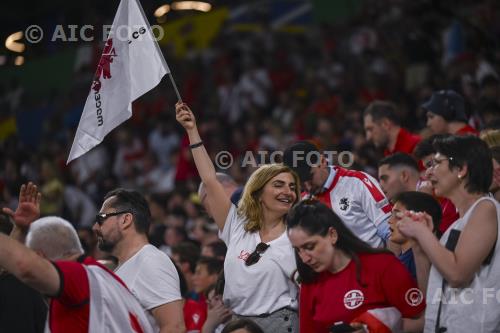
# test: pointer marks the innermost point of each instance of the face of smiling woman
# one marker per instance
(278, 195)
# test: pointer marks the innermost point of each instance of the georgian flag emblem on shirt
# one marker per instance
(344, 204)
(353, 299)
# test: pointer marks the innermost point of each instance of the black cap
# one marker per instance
(298, 157)
(447, 104)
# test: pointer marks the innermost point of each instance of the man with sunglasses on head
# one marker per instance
(121, 227)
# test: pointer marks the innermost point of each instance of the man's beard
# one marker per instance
(384, 143)
(105, 245)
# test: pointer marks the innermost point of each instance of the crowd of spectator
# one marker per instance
(263, 91)
(257, 91)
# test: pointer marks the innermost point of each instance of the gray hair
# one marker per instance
(54, 237)
(223, 178)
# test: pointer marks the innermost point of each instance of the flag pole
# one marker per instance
(174, 85)
(159, 51)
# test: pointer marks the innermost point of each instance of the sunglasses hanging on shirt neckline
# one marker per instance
(254, 257)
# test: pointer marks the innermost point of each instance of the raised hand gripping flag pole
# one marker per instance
(131, 64)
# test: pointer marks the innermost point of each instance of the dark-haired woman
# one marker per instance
(343, 277)
(465, 272)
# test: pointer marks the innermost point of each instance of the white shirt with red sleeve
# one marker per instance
(69, 310)
(92, 299)
(358, 200)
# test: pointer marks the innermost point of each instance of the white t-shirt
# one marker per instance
(265, 286)
(152, 278)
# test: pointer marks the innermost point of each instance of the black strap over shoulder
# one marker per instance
(451, 243)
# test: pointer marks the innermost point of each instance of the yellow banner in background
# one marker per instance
(7, 128)
(193, 32)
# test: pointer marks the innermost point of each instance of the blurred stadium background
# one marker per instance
(258, 75)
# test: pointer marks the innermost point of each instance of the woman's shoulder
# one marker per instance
(486, 203)
(485, 208)
(236, 215)
(377, 259)
(234, 225)
(381, 254)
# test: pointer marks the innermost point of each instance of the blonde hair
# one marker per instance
(491, 137)
(249, 205)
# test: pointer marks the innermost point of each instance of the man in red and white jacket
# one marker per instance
(354, 196)
(84, 295)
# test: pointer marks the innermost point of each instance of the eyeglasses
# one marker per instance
(435, 162)
(101, 217)
(256, 254)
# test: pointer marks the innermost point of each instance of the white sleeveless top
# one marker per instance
(475, 308)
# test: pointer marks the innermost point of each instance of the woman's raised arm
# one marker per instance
(217, 198)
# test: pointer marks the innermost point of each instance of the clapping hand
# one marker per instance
(413, 223)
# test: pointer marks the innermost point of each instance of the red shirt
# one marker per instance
(69, 311)
(195, 314)
(339, 297)
(185, 168)
(449, 214)
(405, 143)
(467, 130)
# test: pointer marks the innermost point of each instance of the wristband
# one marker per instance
(196, 145)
